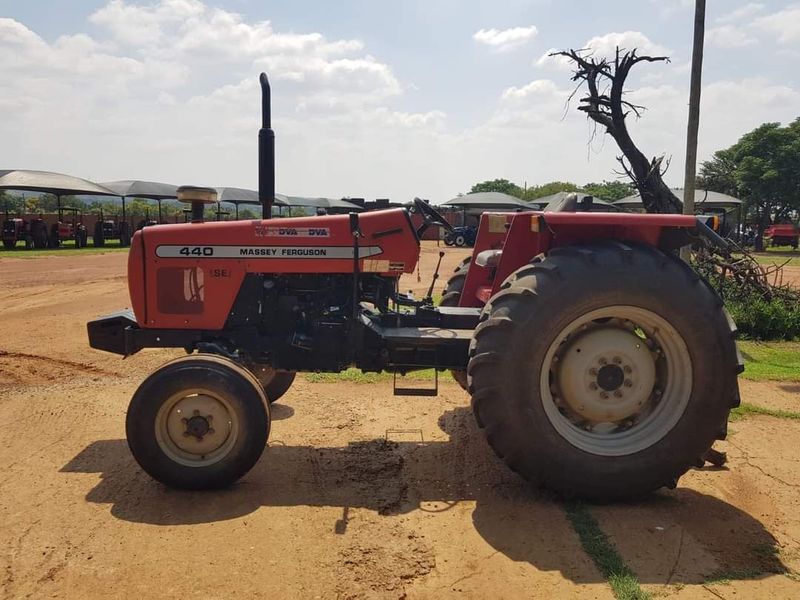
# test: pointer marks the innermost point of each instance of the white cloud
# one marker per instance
(784, 24)
(729, 36)
(538, 87)
(605, 46)
(505, 39)
(742, 13)
(168, 91)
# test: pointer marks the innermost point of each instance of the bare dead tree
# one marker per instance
(605, 104)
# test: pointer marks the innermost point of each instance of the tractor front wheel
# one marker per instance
(198, 422)
(275, 383)
(604, 371)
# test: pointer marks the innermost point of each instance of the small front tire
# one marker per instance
(198, 422)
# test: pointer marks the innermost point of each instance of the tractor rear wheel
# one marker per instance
(99, 238)
(451, 297)
(81, 237)
(53, 241)
(39, 234)
(604, 371)
(198, 422)
(124, 234)
(275, 383)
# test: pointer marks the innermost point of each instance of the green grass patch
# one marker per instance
(775, 361)
(67, 249)
(596, 544)
(778, 257)
(746, 410)
(725, 577)
(356, 376)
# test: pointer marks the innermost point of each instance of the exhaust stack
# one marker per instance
(266, 152)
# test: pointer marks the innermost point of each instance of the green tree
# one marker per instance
(610, 190)
(548, 189)
(762, 170)
(497, 185)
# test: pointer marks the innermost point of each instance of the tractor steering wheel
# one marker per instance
(430, 216)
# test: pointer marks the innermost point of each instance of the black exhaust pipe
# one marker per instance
(266, 152)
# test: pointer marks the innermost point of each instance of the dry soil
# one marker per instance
(360, 494)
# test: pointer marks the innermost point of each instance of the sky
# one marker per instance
(372, 98)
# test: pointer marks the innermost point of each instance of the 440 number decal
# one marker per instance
(240, 252)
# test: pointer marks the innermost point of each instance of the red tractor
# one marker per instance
(111, 229)
(599, 364)
(783, 234)
(33, 232)
(69, 229)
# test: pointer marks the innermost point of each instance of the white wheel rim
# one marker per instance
(616, 380)
(196, 428)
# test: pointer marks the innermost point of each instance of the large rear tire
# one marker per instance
(604, 371)
(53, 241)
(39, 234)
(198, 422)
(99, 238)
(451, 297)
(124, 234)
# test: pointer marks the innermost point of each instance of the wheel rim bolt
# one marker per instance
(593, 386)
(626, 368)
(617, 394)
(603, 361)
(616, 360)
(628, 383)
(593, 372)
(604, 395)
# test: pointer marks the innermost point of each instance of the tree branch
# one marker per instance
(609, 109)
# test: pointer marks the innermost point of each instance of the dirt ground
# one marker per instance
(360, 494)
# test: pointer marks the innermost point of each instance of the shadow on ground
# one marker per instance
(395, 478)
(792, 388)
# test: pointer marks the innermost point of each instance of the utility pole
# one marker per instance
(694, 110)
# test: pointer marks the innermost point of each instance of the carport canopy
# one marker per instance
(135, 188)
(488, 201)
(57, 184)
